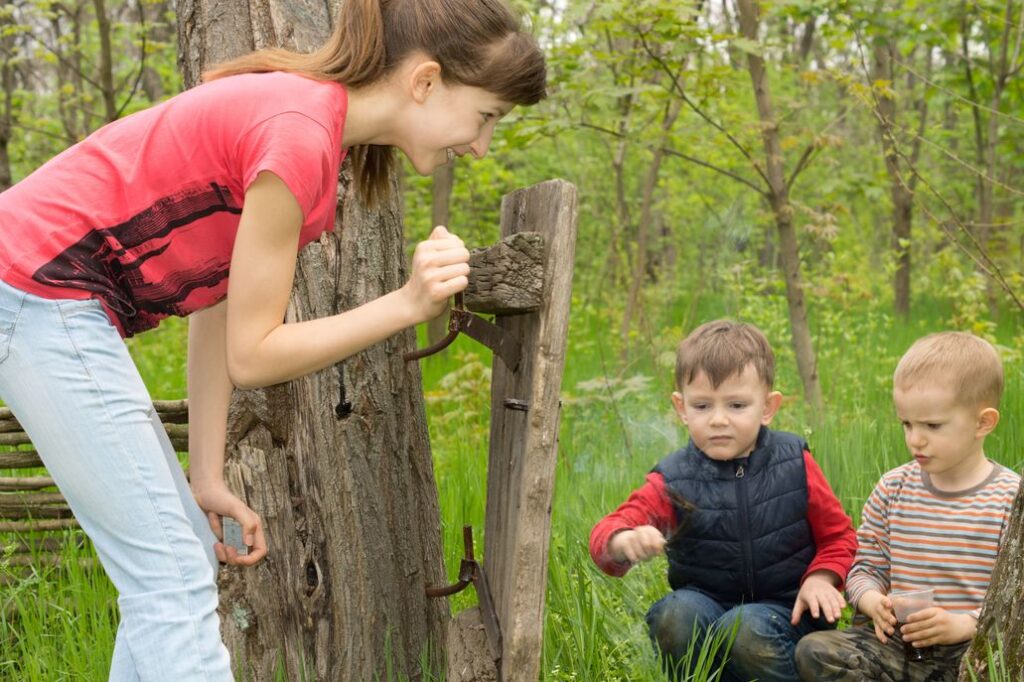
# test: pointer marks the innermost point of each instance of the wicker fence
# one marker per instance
(33, 513)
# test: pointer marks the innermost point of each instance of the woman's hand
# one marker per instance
(217, 501)
(440, 269)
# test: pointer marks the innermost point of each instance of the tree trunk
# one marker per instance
(1002, 616)
(337, 463)
(7, 78)
(644, 228)
(789, 247)
(440, 214)
(899, 189)
(106, 66)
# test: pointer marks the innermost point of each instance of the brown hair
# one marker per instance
(721, 349)
(966, 363)
(478, 43)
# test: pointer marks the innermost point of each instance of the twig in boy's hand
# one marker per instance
(684, 512)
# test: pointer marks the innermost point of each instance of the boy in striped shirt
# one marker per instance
(936, 522)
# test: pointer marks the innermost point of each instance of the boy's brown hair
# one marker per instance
(965, 362)
(722, 348)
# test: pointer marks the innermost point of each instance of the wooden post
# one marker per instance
(521, 469)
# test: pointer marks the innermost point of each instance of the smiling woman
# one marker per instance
(149, 216)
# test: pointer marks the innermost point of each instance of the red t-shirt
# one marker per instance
(143, 213)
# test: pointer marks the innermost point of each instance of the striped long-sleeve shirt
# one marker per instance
(915, 536)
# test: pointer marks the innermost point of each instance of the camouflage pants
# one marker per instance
(856, 655)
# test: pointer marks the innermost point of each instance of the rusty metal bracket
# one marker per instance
(470, 571)
(489, 334)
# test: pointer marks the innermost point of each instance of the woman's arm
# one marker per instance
(261, 349)
(209, 394)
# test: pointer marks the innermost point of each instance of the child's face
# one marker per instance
(943, 435)
(724, 421)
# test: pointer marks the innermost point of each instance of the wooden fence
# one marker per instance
(32, 510)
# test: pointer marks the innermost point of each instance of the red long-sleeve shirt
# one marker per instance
(649, 505)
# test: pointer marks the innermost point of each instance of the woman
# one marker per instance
(148, 217)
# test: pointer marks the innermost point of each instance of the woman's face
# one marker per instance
(452, 121)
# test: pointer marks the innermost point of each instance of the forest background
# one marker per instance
(846, 175)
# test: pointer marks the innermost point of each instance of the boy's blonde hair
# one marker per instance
(966, 363)
(722, 348)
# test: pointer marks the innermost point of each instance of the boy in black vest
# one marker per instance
(754, 536)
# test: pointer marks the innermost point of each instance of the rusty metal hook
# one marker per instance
(453, 332)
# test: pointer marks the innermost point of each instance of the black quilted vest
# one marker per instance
(747, 538)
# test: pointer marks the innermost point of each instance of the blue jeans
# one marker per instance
(67, 376)
(764, 644)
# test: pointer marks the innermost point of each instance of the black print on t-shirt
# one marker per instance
(121, 265)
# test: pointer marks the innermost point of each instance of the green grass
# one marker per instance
(616, 423)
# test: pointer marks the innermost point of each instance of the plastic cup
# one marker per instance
(905, 603)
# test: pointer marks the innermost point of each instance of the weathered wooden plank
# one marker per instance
(521, 471)
(43, 544)
(37, 525)
(21, 459)
(170, 411)
(8, 484)
(508, 277)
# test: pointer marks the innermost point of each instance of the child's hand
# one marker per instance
(819, 596)
(440, 269)
(636, 545)
(878, 607)
(936, 625)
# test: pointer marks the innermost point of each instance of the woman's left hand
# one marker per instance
(217, 501)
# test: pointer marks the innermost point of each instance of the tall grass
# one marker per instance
(616, 423)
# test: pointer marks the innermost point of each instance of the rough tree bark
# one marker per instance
(338, 463)
(778, 196)
(1002, 616)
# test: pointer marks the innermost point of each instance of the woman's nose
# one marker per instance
(480, 145)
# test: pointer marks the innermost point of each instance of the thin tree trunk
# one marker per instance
(440, 214)
(639, 274)
(106, 75)
(901, 185)
(337, 463)
(6, 107)
(1002, 616)
(789, 247)
(158, 31)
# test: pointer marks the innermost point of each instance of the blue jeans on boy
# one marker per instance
(764, 644)
(67, 376)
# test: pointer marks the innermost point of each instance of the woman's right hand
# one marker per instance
(217, 501)
(637, 544)
(440, 269)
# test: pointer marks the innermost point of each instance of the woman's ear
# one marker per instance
(771, 405)
(424, 78)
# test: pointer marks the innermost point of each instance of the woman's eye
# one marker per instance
(933, 426)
